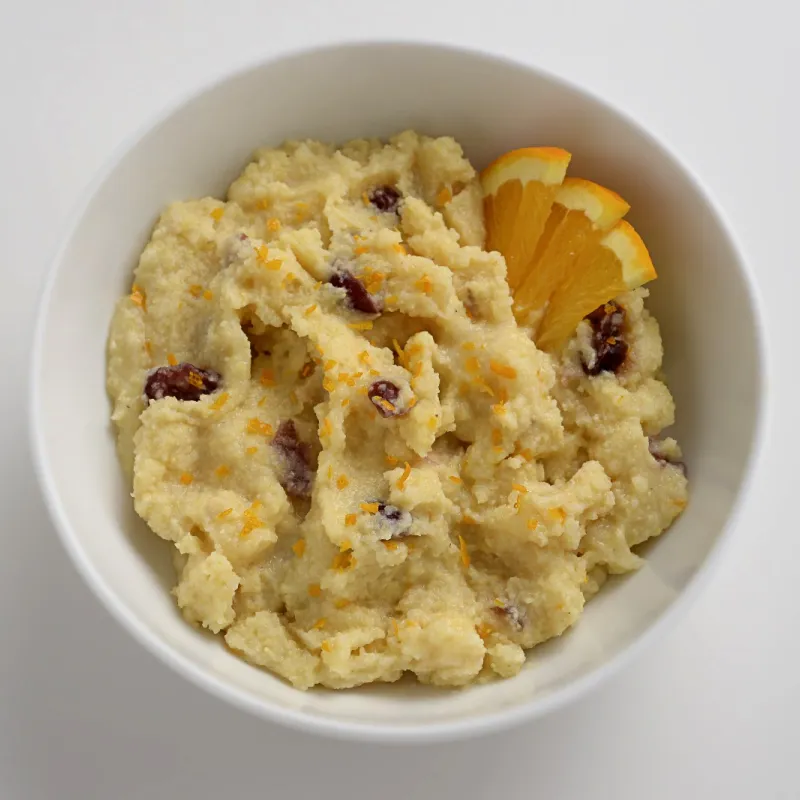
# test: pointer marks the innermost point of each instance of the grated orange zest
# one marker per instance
(401, 483)
(384, 404)
(255, 425)
(483, 630)
(462, 546)
(138, 296)
(424, 284)
(503, 370)
(267, 378)
(220, 401)
(343, 561)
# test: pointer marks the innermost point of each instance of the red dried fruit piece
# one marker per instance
(393, 520)
(383, 395)
(654, 445)
(358, 298)
(610, 349)
(298, 475)
(513, 615)
(183, 381)
(385, 198)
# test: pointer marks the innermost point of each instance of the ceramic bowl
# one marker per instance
(704, 300)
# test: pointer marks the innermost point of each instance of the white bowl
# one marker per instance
(704, 300)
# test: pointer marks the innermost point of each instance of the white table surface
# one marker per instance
(709, 711)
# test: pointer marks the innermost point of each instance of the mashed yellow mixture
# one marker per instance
(366, 466)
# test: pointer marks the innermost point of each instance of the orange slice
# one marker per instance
(518, 192)
(583, 211)
(605, 267)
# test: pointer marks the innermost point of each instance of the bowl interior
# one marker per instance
(701, 300)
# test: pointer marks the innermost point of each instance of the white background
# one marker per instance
(709, 711)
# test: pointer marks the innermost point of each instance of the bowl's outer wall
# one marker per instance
(701, 300)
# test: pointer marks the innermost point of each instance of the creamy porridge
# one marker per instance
(365, 464)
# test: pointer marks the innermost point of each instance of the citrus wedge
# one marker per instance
(582, 212)
(518, 193)
(604, 268)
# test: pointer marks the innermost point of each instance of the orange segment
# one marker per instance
(606, 267)
(518, 192)
(581, 214)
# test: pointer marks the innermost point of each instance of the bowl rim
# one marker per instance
(414, 733)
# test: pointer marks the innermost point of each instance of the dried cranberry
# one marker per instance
(385, 198)
(358, 298)
(247, 329)
(183, 381)
(383, 395)
(610, 349)
(512, 614)
(656, 450)
(298, 476)
(394, 520)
